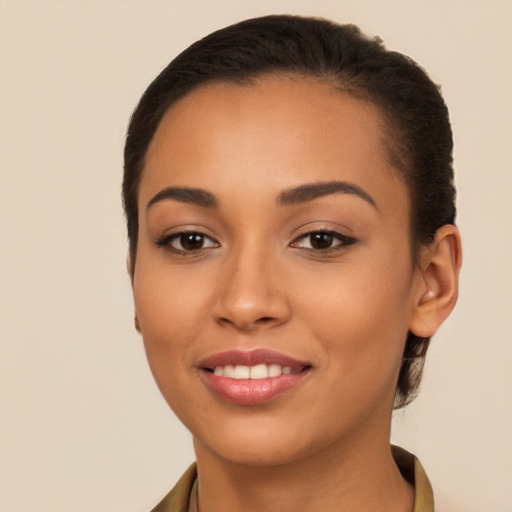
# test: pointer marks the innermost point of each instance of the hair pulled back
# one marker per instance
(416, 123)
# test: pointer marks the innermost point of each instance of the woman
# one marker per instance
(289, 196)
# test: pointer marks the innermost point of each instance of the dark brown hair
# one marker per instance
(416, 122)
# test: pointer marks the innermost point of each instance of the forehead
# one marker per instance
(273, 103)
(277, 132)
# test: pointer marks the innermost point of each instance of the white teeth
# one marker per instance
(274, 370)
(260, 371)
(229, 371)
(241, 372)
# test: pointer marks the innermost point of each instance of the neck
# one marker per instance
(356, 476)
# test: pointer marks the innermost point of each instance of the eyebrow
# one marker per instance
(195, 196)
(293, 196)
(309, 192)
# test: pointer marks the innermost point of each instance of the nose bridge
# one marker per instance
(249, 292)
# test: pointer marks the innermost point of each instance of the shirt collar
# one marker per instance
(183, 496)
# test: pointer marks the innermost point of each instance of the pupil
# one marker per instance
(192, 241)
(321, 240)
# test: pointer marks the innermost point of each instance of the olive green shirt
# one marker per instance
(182, 498)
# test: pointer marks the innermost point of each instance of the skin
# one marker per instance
(258, 282)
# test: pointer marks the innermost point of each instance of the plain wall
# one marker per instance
(82, 425)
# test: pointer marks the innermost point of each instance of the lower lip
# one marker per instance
(251, 391)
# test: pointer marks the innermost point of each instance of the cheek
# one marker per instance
(169, 302)
(170, 307)
(168, 326)
(361, 311)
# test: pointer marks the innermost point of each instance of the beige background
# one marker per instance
(82, 425)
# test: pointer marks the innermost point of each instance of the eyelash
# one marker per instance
(343, 242)
(167, 242)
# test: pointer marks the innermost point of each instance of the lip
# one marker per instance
(252, 358)
(252, 391)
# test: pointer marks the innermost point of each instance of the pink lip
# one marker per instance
(252, 391)
(252, 358)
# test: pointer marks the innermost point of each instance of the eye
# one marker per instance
(189, 241)
(322, 241)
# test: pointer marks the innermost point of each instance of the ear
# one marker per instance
(136, 322)
(129, 269)
(440, 266)
(129, 266)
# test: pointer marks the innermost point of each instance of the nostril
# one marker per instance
(265, 319)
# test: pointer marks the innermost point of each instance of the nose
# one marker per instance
(251, 296)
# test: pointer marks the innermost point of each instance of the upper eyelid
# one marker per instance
(338, 230)
(323, 230)
(166, 239)
(181, 233)
(332, 232)
(323, 225)
(182, 230)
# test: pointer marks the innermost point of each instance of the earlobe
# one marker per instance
(440, 267)
(129, 264)
(129, 269)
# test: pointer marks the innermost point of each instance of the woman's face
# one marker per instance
(274, 243)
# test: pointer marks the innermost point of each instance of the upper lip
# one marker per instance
(252, 358)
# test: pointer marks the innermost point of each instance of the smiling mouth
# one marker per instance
(259, 371)
(254, 377)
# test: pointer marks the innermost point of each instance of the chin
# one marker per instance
(251, 452)
(263, 441)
